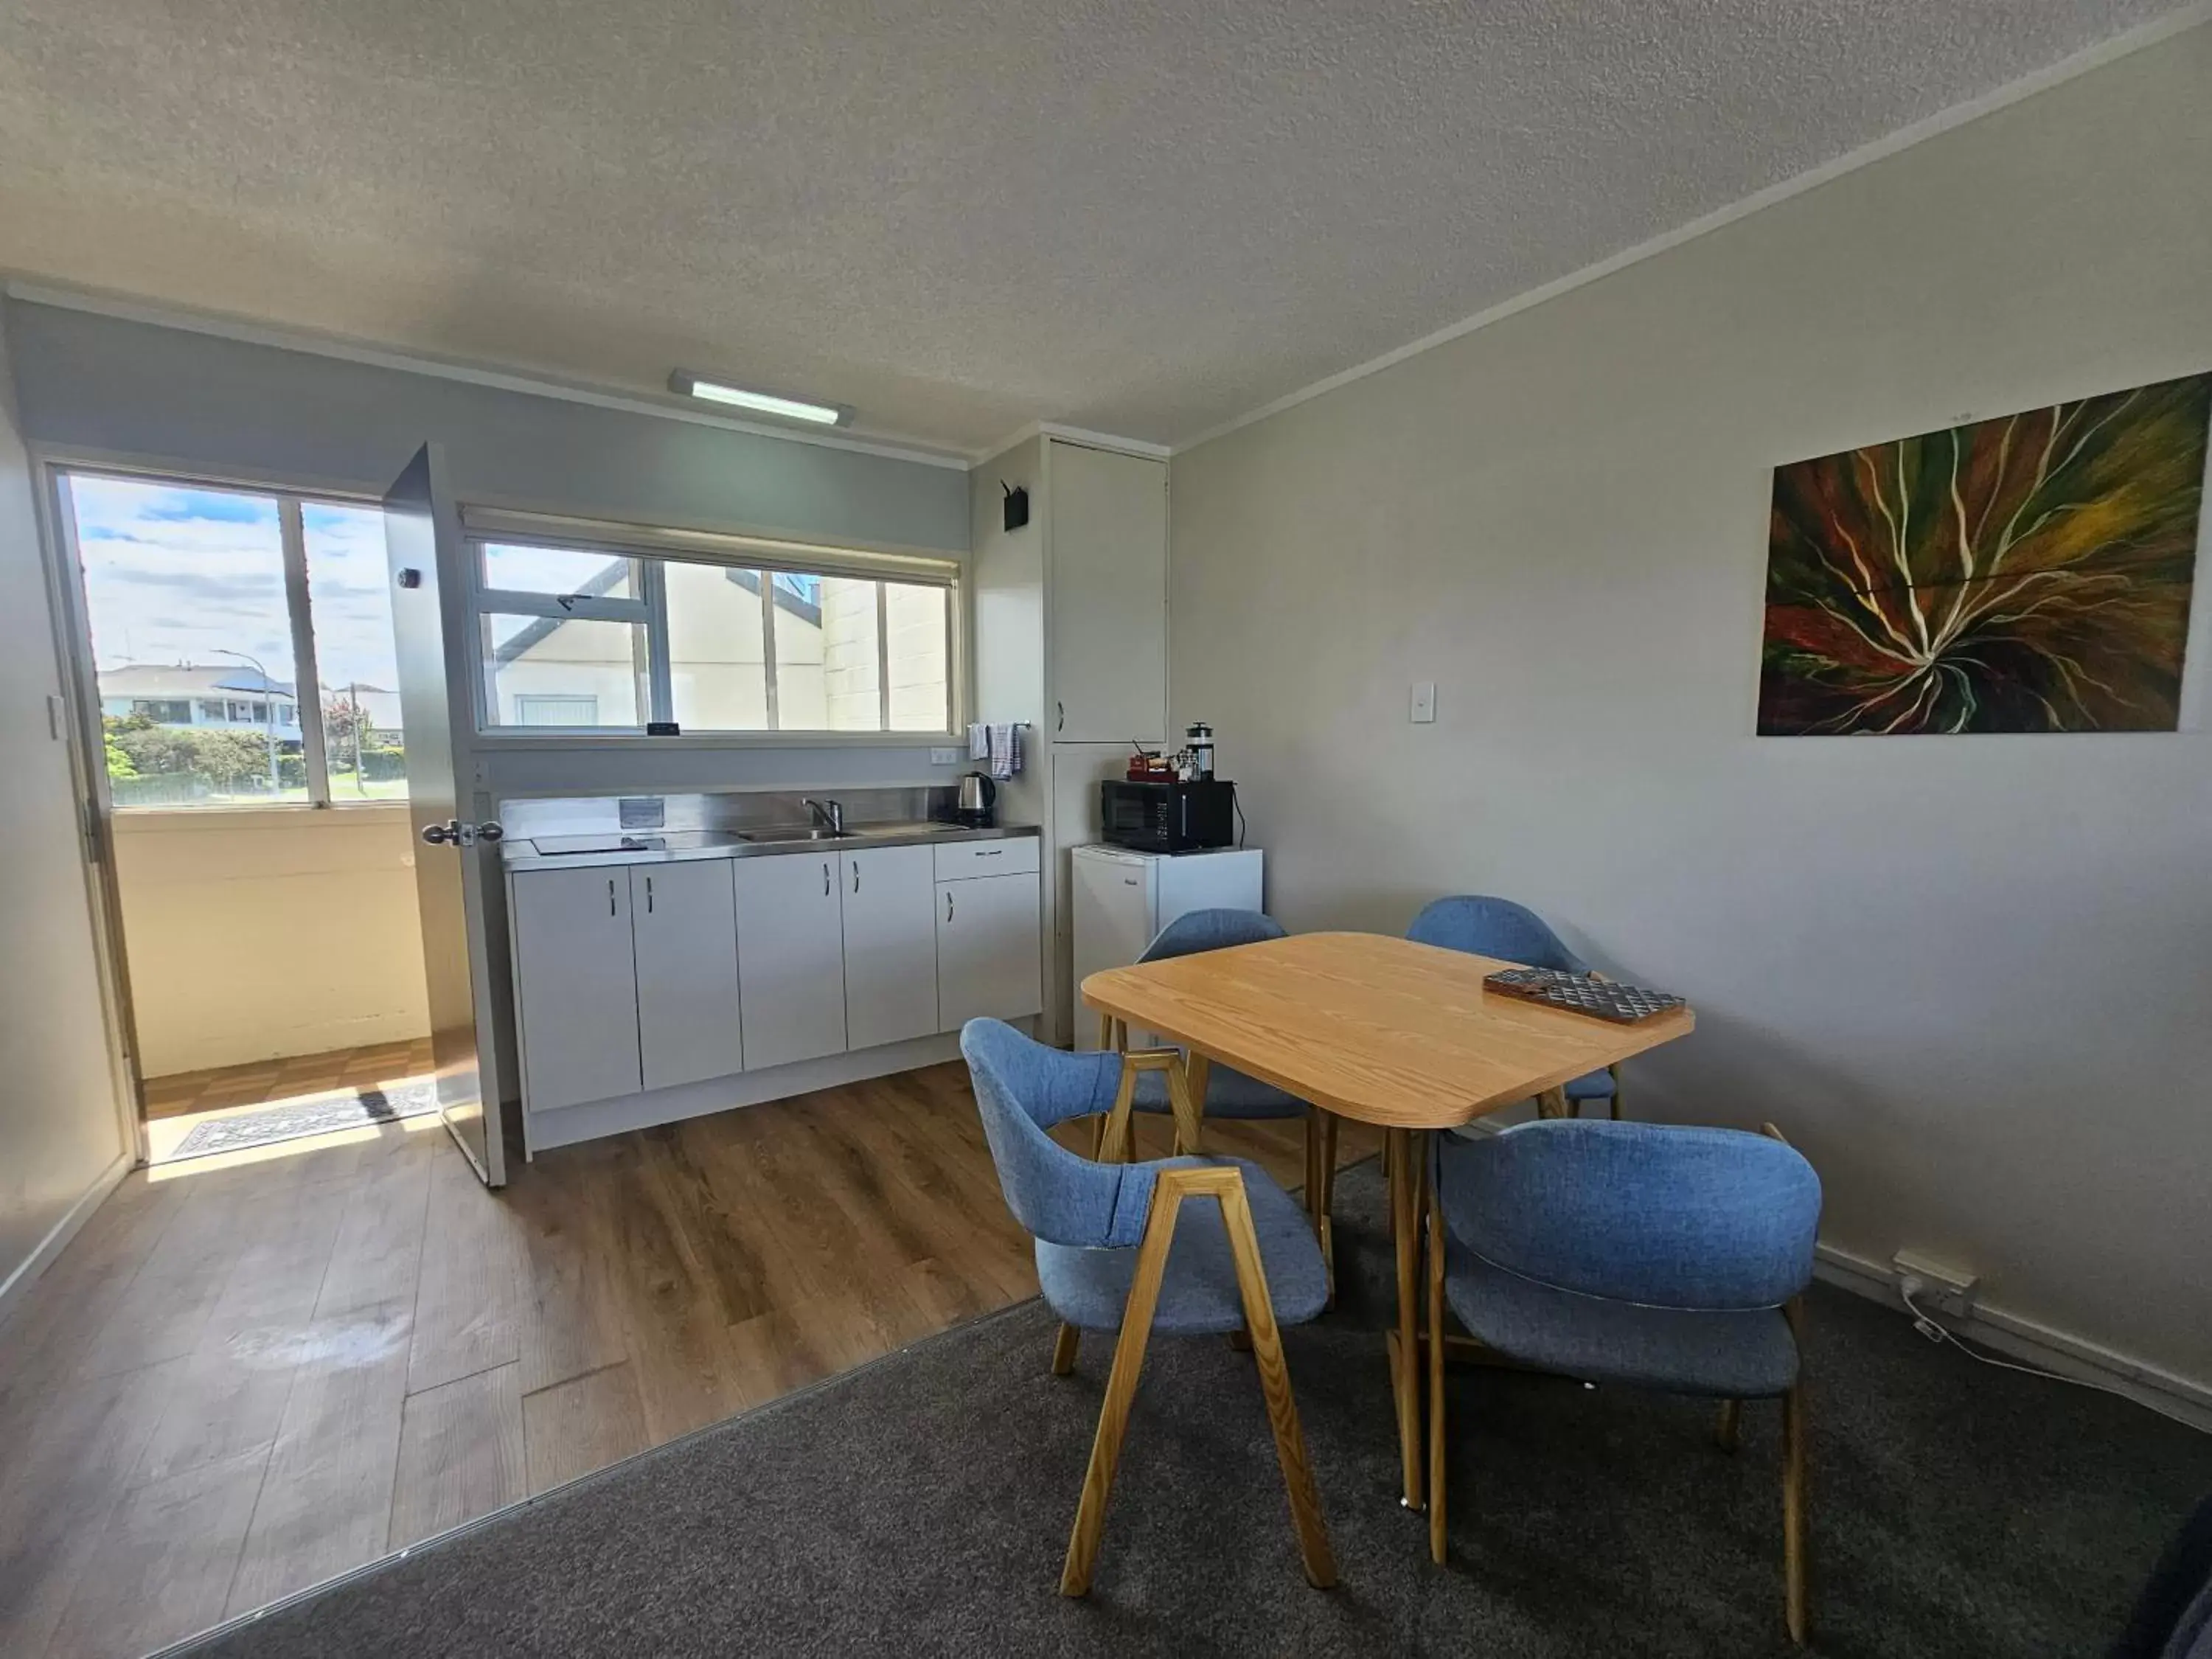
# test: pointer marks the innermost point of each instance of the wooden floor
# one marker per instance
(261, 1081)
(246, 1375)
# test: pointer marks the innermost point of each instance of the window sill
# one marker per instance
(496, 742)
(184, 820)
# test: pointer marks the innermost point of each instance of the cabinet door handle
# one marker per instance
(825, 879)
(611, 896)
(856, 875)
(648, 896)
(948, 904)
(1062, 725)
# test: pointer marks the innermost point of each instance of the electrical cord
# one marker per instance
(1909, 1286)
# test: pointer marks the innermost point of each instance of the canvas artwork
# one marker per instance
(2028, 573)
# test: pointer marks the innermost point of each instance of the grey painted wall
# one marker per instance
(88, 382)
(1970, 976)
(60, 1130)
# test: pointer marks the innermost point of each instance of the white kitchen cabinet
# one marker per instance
(891, 945)
(791, 958)
(1107, 595)
(576, 983)
(684, 924)
(988, 960)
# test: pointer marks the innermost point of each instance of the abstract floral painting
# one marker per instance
(2029, 574)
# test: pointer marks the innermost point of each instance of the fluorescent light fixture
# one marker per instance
(686, 383)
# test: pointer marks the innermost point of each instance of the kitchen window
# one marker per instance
(742, 637)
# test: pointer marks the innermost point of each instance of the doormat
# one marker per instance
(309, 1115)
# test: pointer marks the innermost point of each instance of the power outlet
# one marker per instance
(1937, 1286)
(946, 757)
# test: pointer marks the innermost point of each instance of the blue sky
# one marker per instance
(176, 574)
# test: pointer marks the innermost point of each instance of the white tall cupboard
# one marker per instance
(1088, 576)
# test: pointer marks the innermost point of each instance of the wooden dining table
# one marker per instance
(1380, 1029)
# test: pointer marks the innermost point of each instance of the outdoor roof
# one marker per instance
(184, 680)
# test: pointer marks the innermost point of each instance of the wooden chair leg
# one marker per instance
(1436, 1383)
(1120, 1387)
(1117, 1135)
(1324, 1212)
(1794, 1599)
(1724, 1432)
(1388, 1164)
(1275, 1384)
(1793, 1512)
(1552, 1102)
(1063, 1350)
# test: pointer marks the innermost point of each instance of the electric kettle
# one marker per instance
(977, 802)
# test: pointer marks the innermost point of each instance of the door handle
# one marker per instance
(648, 896)
(825, 879)
(611, 896)
(856, 875)
(454, 832)
(948, 904)
(1062, 725)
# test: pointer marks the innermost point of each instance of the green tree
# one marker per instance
(119, 763)
(225, 759)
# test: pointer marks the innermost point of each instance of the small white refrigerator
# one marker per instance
(1123, 898)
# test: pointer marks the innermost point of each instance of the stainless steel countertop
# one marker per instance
(676, 846)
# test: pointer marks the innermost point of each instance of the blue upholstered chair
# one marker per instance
(1229, 1092)
(1498, 927)
(1118, 1248)
(1660, 1257)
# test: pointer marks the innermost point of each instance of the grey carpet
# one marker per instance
(921, 1505)
(309, 1115)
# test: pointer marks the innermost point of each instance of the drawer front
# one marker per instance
(962, 860)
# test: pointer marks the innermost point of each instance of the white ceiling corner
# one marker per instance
(1135, 217)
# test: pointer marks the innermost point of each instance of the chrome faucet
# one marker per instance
(832, 814)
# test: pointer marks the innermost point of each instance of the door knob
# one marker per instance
(454, 832)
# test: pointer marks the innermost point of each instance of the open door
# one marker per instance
(422, 539)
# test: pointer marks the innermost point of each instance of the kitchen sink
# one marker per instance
(766, 837)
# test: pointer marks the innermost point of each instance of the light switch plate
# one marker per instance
(1424, 702)
(944, 757)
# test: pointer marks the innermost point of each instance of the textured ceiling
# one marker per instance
(1134, 215)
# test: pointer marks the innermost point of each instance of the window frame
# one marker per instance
(651, 552)
(290, 503)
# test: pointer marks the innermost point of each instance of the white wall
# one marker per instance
(1971, 977)
(60, 1129)
(253, 935)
